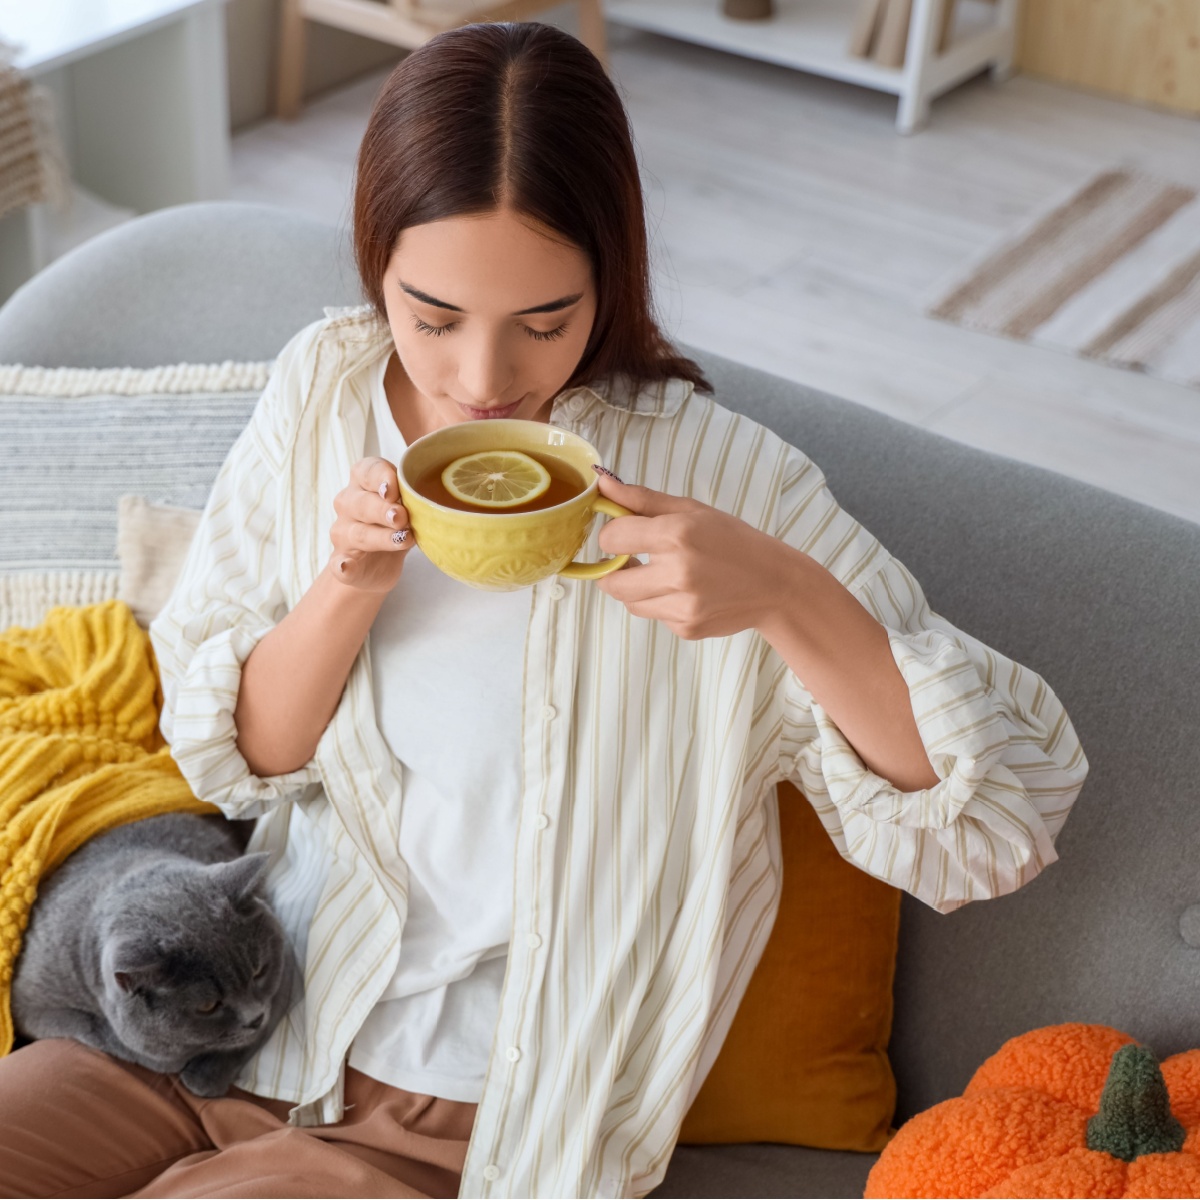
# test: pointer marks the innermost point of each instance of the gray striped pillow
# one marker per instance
(75, 440)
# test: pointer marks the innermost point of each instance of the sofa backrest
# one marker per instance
(197, 283)
(1096, 593)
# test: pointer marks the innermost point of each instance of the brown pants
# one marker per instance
(75, 1122)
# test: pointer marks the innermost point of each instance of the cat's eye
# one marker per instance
(260, 971)
(210, 1007)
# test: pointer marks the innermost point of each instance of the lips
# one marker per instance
(489, 414)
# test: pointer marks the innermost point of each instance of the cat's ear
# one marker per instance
(135, 967)
(132, 981)
(240, 877)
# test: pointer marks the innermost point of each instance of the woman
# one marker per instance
(525, 843)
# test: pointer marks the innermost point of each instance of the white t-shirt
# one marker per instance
(446, 656)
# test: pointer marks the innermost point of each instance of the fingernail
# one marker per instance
(605, 471)
(383, 490)
(392, 513)
(400, 536)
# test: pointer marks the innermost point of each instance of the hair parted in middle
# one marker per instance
(519, 117)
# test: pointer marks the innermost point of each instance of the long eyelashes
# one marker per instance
(549, 335)
(438, 330)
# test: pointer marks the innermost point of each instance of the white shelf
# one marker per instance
(813, 36)
(140, 103)
(53, 33)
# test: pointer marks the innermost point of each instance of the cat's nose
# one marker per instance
(256, 1022)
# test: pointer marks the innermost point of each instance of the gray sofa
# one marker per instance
(1098, 594)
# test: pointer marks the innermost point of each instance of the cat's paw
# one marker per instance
(209, 1075)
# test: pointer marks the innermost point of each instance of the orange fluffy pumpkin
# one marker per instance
(1069, 1110)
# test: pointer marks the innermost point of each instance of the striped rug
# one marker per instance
(1111, 274)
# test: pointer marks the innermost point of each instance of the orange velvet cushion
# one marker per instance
(805, 1061)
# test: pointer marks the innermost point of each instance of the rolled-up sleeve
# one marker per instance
(227, 599)
(1008, 760)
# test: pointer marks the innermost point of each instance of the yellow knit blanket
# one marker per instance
(80, 753)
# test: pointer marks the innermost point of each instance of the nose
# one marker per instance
(485, 375)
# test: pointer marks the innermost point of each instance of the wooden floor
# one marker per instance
(793, 229)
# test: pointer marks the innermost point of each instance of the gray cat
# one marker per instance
(153, 943)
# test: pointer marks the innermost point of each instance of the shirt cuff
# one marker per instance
(203, 735)
(961, 729)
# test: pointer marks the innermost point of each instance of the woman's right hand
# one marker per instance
(366, 554)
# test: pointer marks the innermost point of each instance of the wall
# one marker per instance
(1142, 50)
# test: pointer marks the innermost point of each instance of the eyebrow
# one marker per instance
(552, 306)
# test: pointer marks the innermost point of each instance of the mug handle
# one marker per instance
(579, 570)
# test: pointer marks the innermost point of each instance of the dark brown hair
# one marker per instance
(519, 116)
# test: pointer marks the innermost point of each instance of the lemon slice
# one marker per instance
(496, 478)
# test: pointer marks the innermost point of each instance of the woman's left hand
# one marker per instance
(709, 574)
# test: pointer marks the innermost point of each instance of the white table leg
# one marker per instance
(150, 116)
(21, 249)
(1006, 19)
(913, 110)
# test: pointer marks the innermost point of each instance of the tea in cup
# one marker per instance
(470, 527)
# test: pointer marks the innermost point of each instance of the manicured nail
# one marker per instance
(400, 536)
(605, 471)
(383, 490)
(392, 513)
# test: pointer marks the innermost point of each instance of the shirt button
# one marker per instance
(513, 1053)
(534, 940)
(491, 1171)
(549, 712)
(541, 821)
(557, 592)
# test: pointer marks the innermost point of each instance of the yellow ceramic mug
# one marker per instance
(502, 552)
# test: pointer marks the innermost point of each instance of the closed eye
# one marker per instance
(260, 971)
(439, 330)
(211, 1007)
(549, 335)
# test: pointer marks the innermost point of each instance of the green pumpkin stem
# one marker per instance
(1135, 1111)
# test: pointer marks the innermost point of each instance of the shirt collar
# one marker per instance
(648, 398)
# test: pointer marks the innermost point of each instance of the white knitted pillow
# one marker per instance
(76, 440)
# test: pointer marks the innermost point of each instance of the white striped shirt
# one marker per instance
(647, 858)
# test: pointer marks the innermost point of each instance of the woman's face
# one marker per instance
(457, 293)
